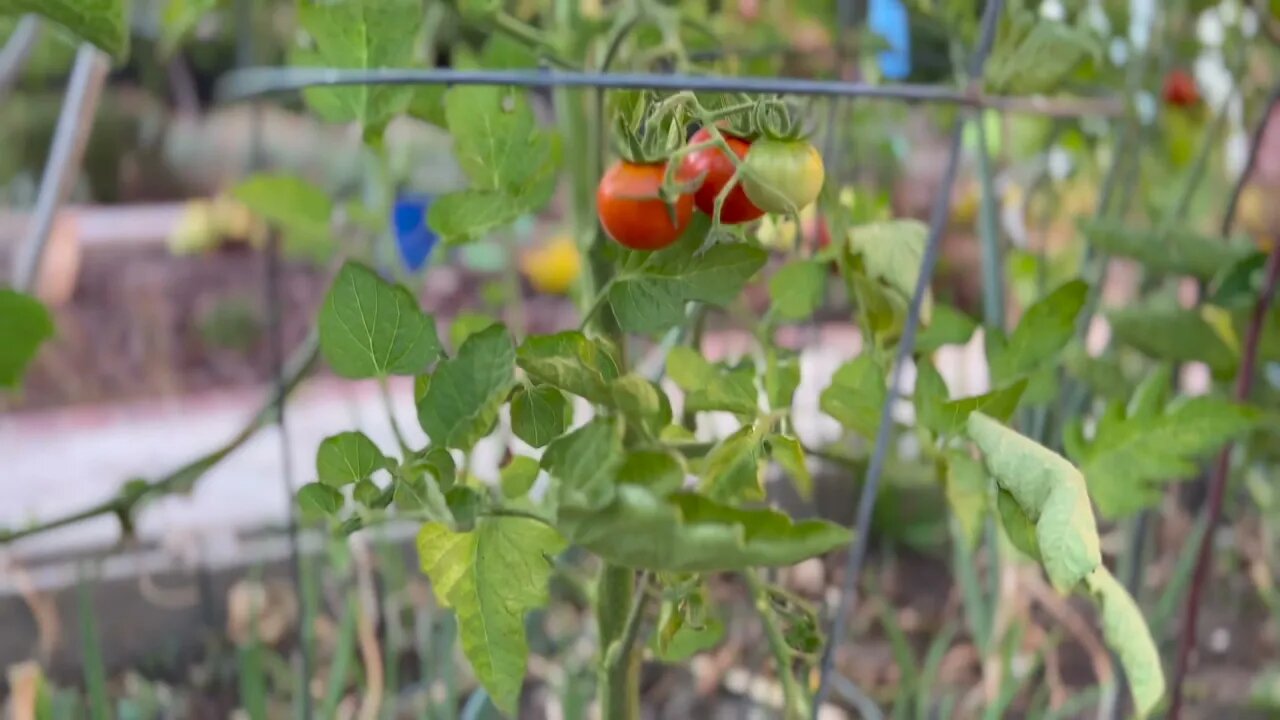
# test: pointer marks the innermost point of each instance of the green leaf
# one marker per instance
(539, 415)
(290, 202)
(491, 577)
(319, 501)
(641, 400)
(948, 326)
(180, 17)
(687, 532)
(883, 268)
(427, 104)
(371, 328)
(415, 489)
(798, 288)
(104, 23)
(367, 493)
(1172, 334)
(570, 361)
(585, 463)
(1179, 251)
(711, 387)
(439, 462)
(967, 495)
(947, 417)
(466, 324)
(518, 477)
(1019, 528)
(1126, 632)
(1044, 330)
(661, 472)
(348, 457)
(25, 325)
(781, 378)
(679, 639)
(1041, 59)
(360, 35)
(1052, 494)
(650, 291)
(733, 469)
(461, 406)
(1134, 452)
(511, 162)
(856, 395)
(789, 454)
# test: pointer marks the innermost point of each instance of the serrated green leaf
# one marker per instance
(649, 293)
(1052, 494)
(570, 361)
(348, 457)
(104, 23)
(948, 326)
(518, 477)
(687, 532)
(798, 288)
(371, 328)
(540, 415)
(25, 325)
(1126, 632)
(710, 387)
(360, 35)
(295, 205)
(1044, 330)
(856, 395)
(491, 577)
(1135, 452)
(661, 472)
(733, 470)
(585, 463)
(781, 378)
(1179, 251)
(947, 417)
(1172, 334)
(461, 406)
(789, 454)
(967, 495)
(319, 501)
(883, 269)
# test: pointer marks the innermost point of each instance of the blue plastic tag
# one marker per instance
(414, 239)
(888, 19)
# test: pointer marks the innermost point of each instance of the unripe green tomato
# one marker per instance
(783, 176)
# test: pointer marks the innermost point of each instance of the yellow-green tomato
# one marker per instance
(783, 176)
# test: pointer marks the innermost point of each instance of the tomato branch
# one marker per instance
(127, 500)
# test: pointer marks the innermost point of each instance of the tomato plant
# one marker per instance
(603, 424)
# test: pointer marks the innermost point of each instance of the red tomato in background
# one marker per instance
(1180, 89)
(716, 170)
(632, 211)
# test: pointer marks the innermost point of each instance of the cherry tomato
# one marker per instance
(784, 176)
(632, 211)
(1180, 89)
(716, 169)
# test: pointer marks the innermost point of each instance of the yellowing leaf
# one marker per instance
(1126, 632)
(491, 577)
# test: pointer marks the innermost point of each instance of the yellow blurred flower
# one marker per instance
(554, 267)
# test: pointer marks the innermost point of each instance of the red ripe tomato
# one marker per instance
(716, 169)
(632, 210)
(1180, 89)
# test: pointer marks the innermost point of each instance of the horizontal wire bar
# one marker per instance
(255, 82)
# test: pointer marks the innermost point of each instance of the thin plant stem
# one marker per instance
(793, 699)
(906, 344)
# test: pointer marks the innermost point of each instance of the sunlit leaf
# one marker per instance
(1126, 632)
(491, 577)
(104, 23)
(709, 386)
(518, 477)
(857, 395)
(733, 471)
(539, 415)
(316, 500)
(570, 361)
(585, 463)
(1044, 330)
(789, 454)
(967, 495)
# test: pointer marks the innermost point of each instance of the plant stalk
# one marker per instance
(620, 605)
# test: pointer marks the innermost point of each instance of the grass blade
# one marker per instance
(343, 655)
(95, 669)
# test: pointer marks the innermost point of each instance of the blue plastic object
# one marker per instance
(413, 238)
(888, 19)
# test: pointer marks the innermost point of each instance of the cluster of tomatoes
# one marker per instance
(781, 176)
